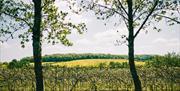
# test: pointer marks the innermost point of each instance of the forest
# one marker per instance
(73, 56)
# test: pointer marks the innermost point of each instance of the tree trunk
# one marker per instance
(37, 46)
(137, 82)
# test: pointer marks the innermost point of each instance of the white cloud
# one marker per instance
(4, 45)
(160, 40)
(12, 50)
(167, 42)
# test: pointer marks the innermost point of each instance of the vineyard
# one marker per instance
(159, 74)
(89, 79)
(109, 52)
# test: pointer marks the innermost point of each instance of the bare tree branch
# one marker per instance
(144, 22)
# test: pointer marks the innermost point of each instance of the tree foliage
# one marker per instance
(73, 56)
(17, 20)
(137, 15)
(145, 12)
(168, 60)
(18, 64)
(38, 18)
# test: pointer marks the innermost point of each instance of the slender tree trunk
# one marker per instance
(137, 82)
(37, 46)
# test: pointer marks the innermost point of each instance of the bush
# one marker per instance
(118, 65)
(18, 64)
(168, 60)
(102, 65)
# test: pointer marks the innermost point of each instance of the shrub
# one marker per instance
(18, 64)
(102, 65)
(118, 65)
(168, 60)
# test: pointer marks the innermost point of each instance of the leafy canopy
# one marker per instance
(16, 19)
(146, 13)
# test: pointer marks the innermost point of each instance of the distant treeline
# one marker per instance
(168, 60)
(70, 57)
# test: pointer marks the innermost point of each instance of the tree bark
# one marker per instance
(37, 45)
(137, 82)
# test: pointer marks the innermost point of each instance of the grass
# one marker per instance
(90, 62)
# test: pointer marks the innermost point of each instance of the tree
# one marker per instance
(37, 45)
(137, 15)
(40, 18)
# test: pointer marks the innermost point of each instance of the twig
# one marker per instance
(18, 18)
(150, 13)
(112, 10)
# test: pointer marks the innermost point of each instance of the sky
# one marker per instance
(100, 39)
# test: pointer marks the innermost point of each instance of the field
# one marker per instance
(162, 73)
(89, 79)
(90, 62)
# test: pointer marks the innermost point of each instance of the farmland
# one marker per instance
(89, 45)
(89, 78)
(89, 62)
(158, 74)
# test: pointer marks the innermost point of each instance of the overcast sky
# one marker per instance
(101, 39)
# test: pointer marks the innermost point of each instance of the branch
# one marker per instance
(11, 35)
(122, 16)
(144, 22)
(7, 38)
(138, 8)
(112, 10)
(169, 18)
(140, 15)
(178, 11)
(125, 22)
(122, 7)
(18, 18)
(144, 13)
